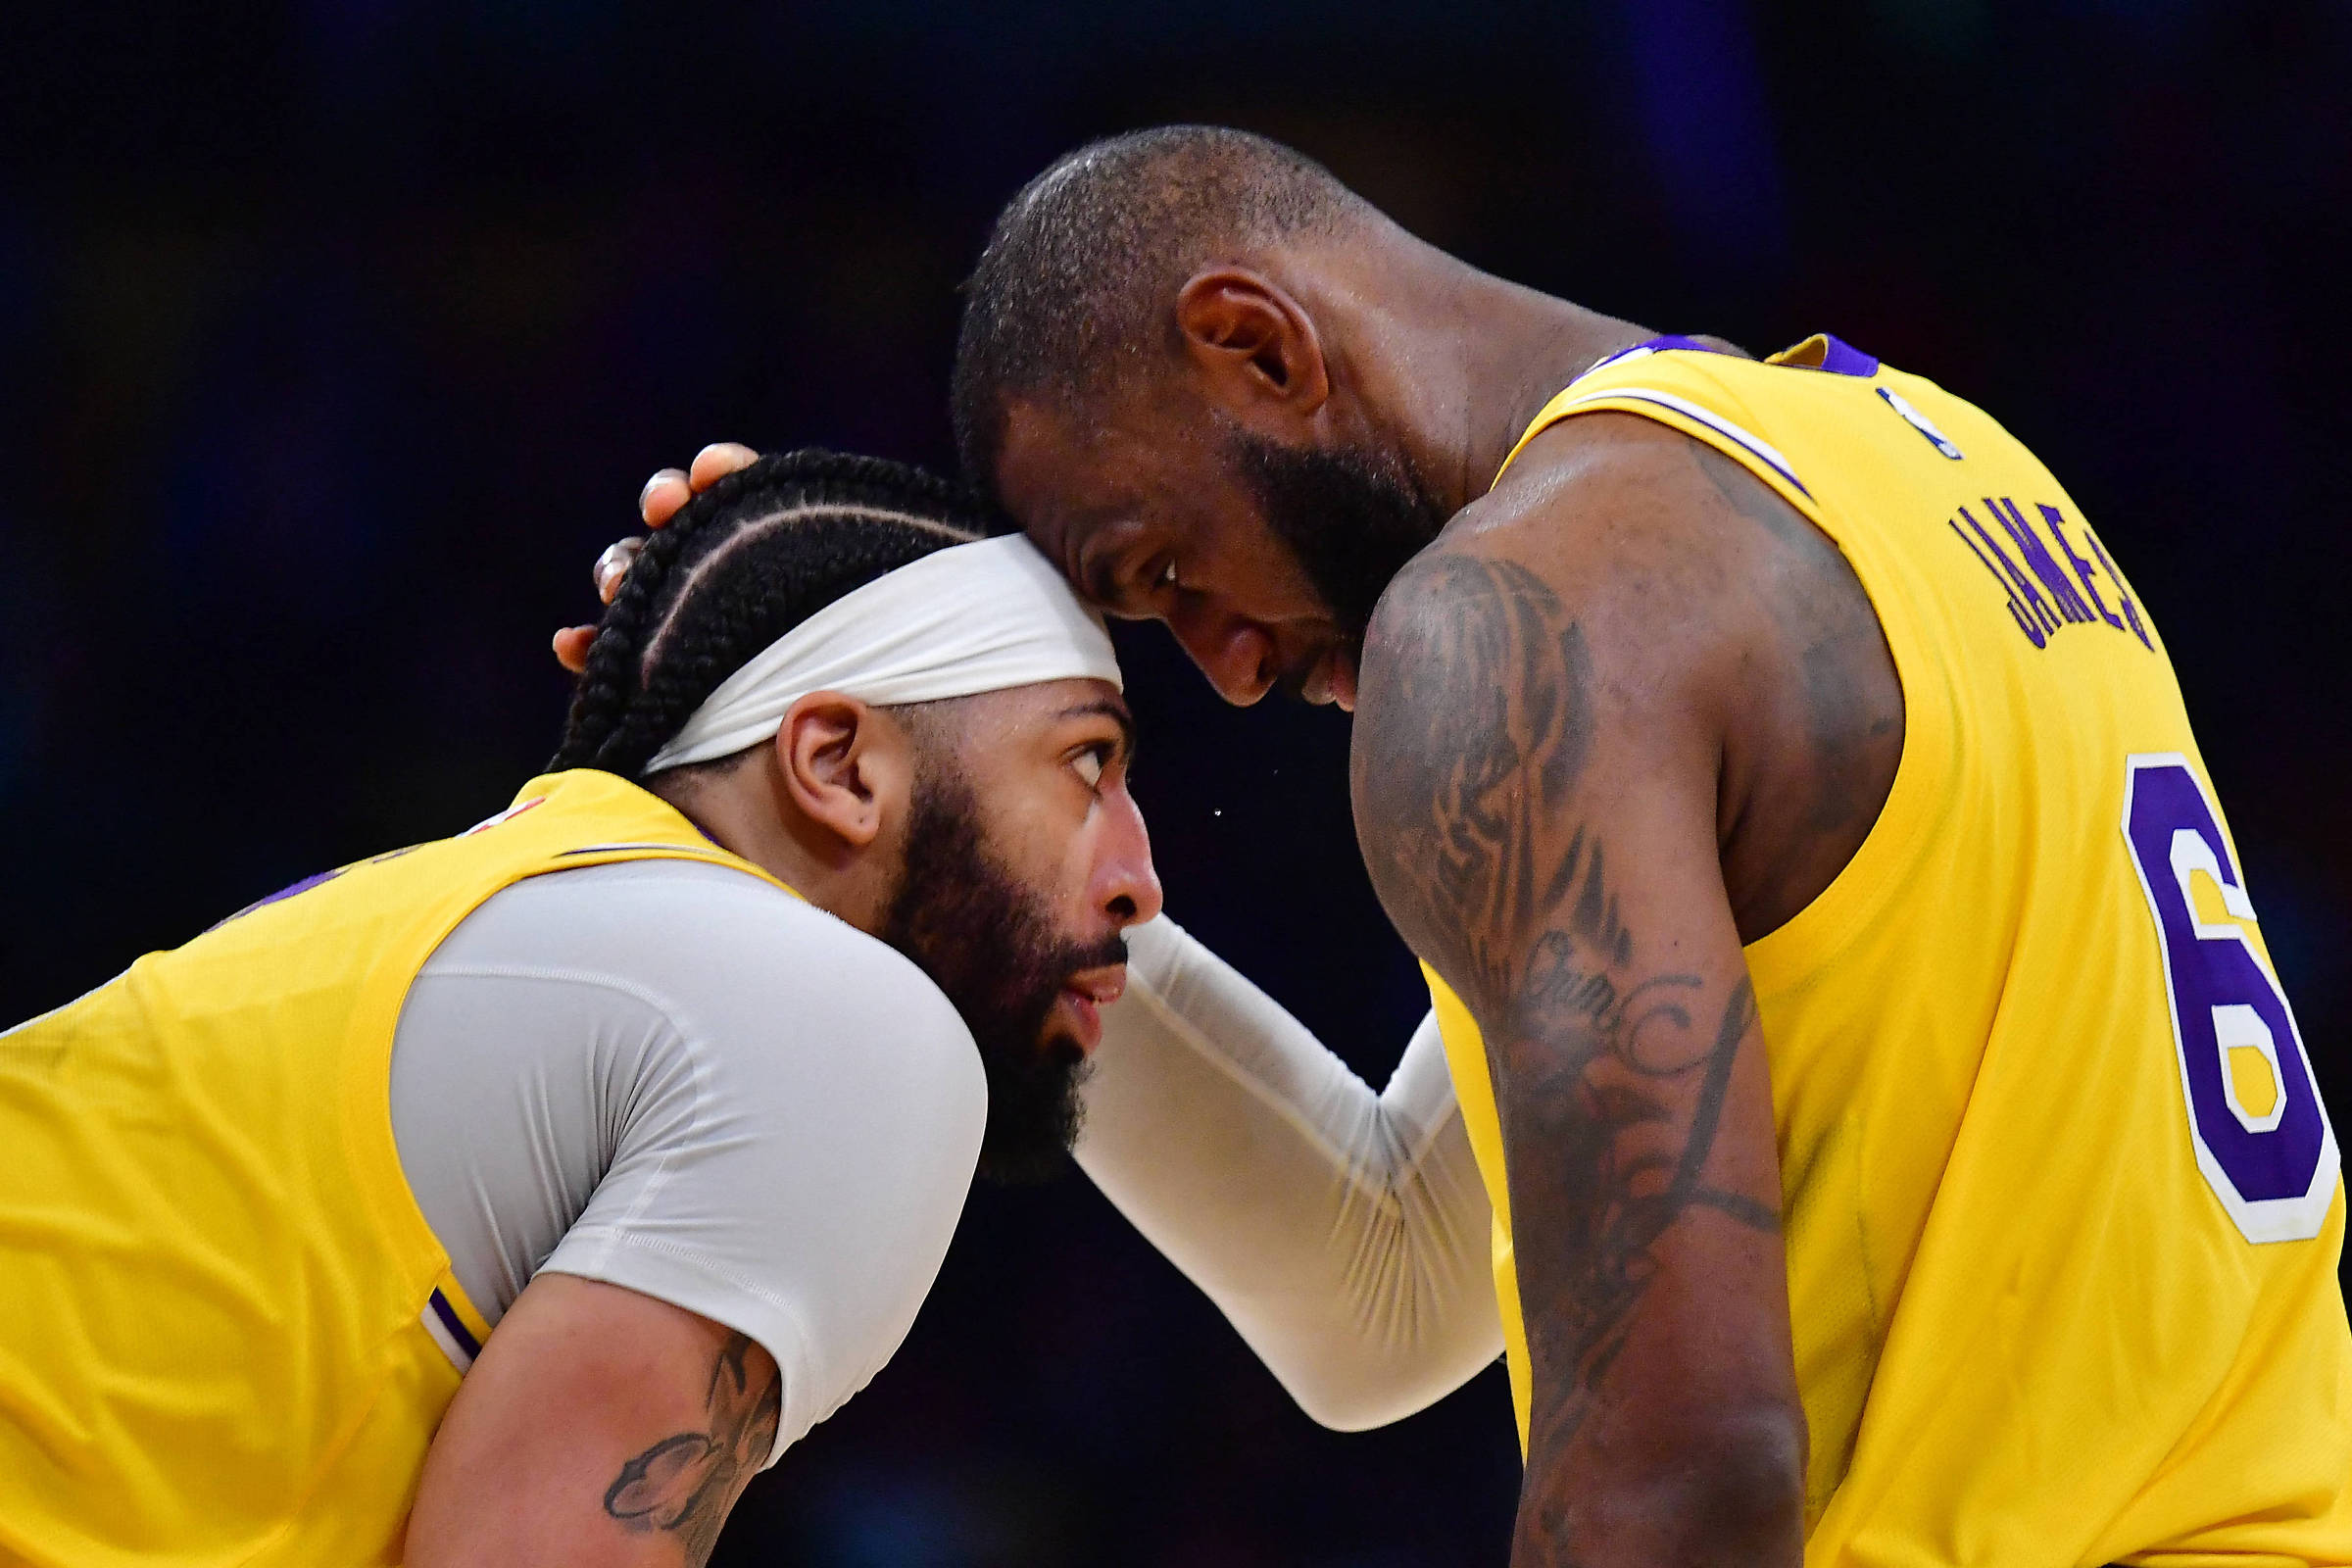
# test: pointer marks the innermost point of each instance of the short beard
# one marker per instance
(986, 942)
(1352, 517)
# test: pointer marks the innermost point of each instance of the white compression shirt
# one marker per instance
(1344, 1234)
(672, 1076)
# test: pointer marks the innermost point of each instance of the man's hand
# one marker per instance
(599, 1427)
(1540, 737)
(658, 502)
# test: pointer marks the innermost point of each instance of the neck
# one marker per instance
(1517, 358)
(1478, 356)
(744, 811)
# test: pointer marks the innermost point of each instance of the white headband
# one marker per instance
(970, 618)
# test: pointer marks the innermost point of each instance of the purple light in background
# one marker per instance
(1699, 98)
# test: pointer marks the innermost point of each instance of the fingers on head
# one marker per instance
(613, 564)
(671, 488)
(719, 460)
(663, 494)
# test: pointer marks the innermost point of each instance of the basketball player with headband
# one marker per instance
(1343, 1230)
(515, 1197)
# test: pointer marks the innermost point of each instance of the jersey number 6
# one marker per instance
(2261, 1135)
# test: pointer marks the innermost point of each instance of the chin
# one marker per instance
(1060, 1046)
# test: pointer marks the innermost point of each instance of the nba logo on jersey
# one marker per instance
(1920, 423)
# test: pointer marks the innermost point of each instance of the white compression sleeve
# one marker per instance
(1344, 1234)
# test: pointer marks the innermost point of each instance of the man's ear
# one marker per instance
(1252, 340)
(843, 767)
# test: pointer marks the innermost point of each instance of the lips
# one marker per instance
(1085, 994)
(1343, 681)
(1332, 680)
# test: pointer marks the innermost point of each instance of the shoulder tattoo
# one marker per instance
(1481, 729)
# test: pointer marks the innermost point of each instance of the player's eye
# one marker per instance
(1091, 763)
(1165, 576)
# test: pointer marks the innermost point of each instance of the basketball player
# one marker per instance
(1342, 1231)
(1899, 1144)
(512, 1199)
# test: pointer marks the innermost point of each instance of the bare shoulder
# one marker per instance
(1701, 620)
(1603, 564)
(1612, 512)
(1556, 627)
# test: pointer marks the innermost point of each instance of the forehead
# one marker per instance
(1071, 483)
(1015, 714)
(1053, 464)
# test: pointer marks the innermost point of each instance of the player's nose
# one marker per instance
(1126, 882)
(1234, 652)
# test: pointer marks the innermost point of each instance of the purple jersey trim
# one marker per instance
(1722, 427)
(280, 895)
(303, 886)
(1755, 448)
(456, 1325)
(1842, 358)
(1657, 345)
(1675, 340)
(691, 852)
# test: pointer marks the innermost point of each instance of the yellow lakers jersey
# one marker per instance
(2062, 1206)
(226, 1334)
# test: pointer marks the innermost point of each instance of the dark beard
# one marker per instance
(982, 937)
(1352, 517)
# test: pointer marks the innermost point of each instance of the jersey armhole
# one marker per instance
(1710, 429)
(1799, 947)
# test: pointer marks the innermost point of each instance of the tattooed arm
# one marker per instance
(599, 1427)
(1540, 736)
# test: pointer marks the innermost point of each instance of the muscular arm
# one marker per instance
(599, 1427)
(1539, 744)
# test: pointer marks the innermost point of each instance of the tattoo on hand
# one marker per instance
(1478, 725)
(685, 1484)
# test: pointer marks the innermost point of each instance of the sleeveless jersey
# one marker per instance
(226, 1334)
(2061, 1204)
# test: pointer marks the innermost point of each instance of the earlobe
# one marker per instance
(1247, 331)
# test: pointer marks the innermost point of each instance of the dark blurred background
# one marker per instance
(336, 337)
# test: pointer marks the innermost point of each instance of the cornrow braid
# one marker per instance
(740, 566)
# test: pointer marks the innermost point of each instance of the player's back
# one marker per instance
(2061, 1204)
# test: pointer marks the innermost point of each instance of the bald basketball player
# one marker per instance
(1901, 1146)
(1899, 1143)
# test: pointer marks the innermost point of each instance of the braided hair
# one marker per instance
(740, 566)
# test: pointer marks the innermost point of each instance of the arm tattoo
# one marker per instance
(685, 1484)
(1482, 731)
(1477, 727)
